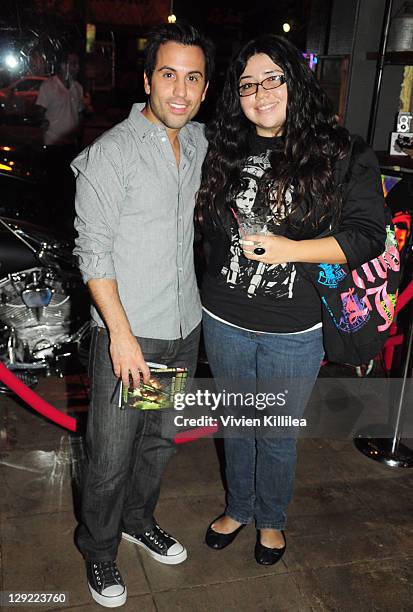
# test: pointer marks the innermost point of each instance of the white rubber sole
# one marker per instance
(172, 560)
(109, 602)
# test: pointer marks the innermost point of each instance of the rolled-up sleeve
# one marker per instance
(99, 195)
(362, 230)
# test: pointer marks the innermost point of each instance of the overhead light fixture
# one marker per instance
(286, 27)
(172, 16)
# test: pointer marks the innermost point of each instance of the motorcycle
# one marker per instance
(44, 305)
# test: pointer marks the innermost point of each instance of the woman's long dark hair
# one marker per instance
(312, 141)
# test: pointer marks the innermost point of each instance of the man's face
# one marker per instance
(70, 69)
(177, 87)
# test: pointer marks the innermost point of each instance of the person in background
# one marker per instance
(275, 150)
(61, 103)
(135, 198)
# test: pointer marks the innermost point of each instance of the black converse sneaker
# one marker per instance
(159, 544)
(105, 583)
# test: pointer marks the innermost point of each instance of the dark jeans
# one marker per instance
(260, 469)
(126, 451)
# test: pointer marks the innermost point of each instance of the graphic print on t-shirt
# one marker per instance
(258, 278)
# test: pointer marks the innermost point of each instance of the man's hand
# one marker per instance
(127, 358)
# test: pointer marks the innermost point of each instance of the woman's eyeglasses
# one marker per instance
(272, 82)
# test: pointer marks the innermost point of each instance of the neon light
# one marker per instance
(312, 59)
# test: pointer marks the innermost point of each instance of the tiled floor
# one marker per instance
(350, 532)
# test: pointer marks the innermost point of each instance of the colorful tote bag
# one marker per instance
(358, 305)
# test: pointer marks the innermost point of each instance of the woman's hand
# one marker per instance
(278, 249)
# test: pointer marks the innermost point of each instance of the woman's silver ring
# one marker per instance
(259, 251)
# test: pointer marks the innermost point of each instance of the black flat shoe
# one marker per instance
(268, 556)
(216, 540)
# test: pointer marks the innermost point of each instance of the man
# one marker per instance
(136, 189)
(60, 99)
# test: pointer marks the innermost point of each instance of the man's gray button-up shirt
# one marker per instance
(135, 222)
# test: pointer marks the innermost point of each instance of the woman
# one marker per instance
(275, 151)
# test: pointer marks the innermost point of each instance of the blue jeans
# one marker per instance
(126, 450)
(260, 469)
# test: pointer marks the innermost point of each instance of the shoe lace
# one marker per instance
(156, 538)
(106, 573)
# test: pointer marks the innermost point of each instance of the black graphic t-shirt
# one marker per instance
(250, 294)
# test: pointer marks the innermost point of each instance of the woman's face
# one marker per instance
(267, 108)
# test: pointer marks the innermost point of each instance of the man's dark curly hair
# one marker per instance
(312, 141)
(182, 33)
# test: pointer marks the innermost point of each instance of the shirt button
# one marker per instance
(180, 269)
(163, 139)
(180, 244)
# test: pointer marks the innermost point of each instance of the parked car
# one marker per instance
(19, 98)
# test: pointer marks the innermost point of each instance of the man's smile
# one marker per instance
(177, 107)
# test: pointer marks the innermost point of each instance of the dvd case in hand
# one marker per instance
(158, 393)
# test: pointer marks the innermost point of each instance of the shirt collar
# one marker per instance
(143, 127)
